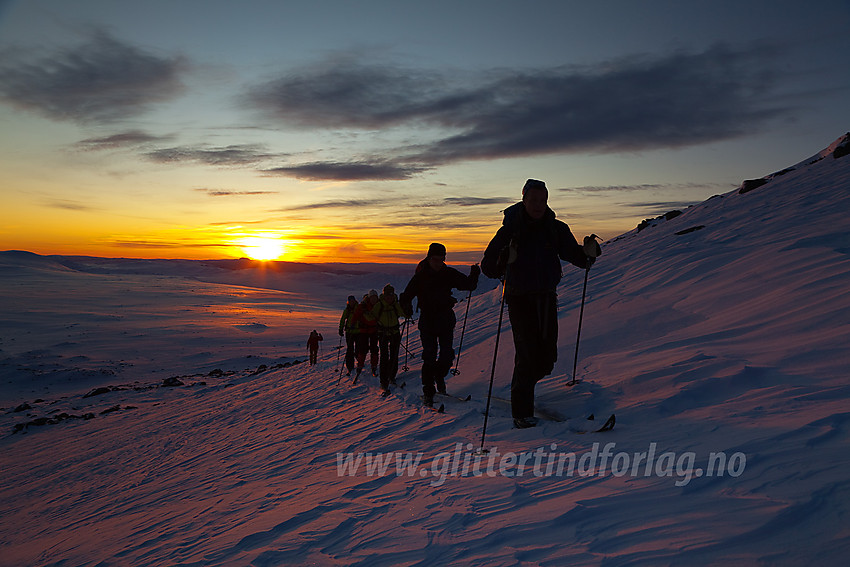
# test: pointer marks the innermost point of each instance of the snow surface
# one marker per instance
(722, 350)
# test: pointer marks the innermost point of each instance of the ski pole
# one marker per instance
(341, 366)
(455, 371)
(493, 370)
(339, 348)
(578, 336)
(405, 368)
(592, 250)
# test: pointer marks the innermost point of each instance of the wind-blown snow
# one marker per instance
(718, 337)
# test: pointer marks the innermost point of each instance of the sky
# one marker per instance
(344, 131)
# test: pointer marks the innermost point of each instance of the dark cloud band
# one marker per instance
(103, 80)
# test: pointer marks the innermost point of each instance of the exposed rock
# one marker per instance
(692, 229)
(750, 184)
(843, 148)
(97, 392)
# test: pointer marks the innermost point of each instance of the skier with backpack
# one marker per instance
(367, 332)
(527, 251)
(432, 284)
(386, 314)
(349, 331)
(313, 345)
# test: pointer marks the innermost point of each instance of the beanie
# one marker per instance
(533, 184)
(436, 249)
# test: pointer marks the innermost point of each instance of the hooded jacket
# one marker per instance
(434, 288)
(536, 248)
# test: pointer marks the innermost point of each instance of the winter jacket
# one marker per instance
(434, 288)
(538, 247)
(386, 314)
(313, 341)
(346, 322)
(363, 321)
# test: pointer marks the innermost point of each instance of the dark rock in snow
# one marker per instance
(691, 229)
(97, 392)
(843, 148)
(750, 184)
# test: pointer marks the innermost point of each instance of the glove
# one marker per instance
(474, 271)
(591, 247)
(340, 332)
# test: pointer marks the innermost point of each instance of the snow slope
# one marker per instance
(722, 349)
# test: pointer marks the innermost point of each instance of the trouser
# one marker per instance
(389, 344)
(313, 355)
(534, 321)
(436, 331)
(367, 344)
(350, 349)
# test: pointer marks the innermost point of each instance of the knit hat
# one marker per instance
(436, 249)
(373, 292)
(389, 288)
(533, 184)
(352, 298)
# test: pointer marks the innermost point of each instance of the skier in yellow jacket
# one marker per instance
(386, 313)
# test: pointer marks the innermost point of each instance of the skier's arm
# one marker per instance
(345, 316)
(568, 247)
(466, 283)
(406, 297)
(491, 265)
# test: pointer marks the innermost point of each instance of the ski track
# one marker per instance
(729, 339)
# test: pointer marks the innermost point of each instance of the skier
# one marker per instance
(527, 251)
(432, 283)
(313, 345)
(386, 314)
(349, 331)
(367, 332)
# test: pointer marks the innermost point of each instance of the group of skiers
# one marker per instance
(371, 327)
(525, 254)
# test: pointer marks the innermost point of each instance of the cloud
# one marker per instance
(69, 205)
(130, 138)
(339, 204)
(234, 155)
(477, 201)
(228, 193)
(160, 244)
(637, 103)
(103, 80)
(379, 170)
(661, 206)
(598, 189)
(348, 94)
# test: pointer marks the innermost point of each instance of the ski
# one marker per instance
(550, 415)
(607, 426)
(458, 398)
(440, 409)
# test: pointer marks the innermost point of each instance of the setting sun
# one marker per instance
(263, 248)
